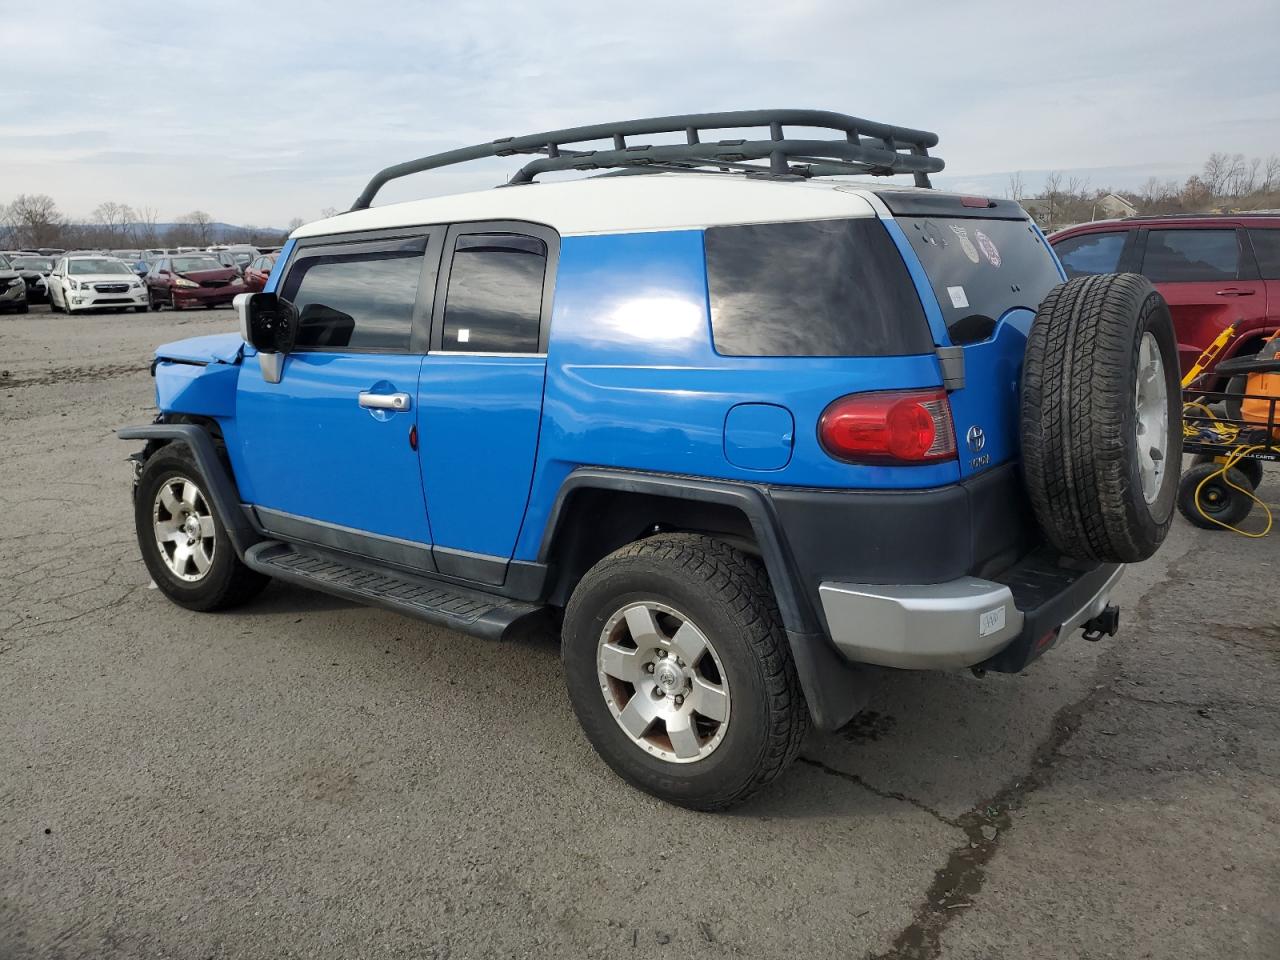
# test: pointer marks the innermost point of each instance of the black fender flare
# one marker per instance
(222, 488)
(834, 688)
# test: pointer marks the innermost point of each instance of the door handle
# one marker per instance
(1235, 292)
(385, 401)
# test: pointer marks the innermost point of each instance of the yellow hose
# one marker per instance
(1234, 457)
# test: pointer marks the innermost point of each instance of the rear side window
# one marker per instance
(1266, 246)
(1192, 256)
(1090, 253)
(823, 288)
(356, 299)
(494, 302)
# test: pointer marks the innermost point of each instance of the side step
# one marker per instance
(445, 604)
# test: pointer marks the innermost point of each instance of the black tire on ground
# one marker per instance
(24, 308)
(1216, 499)
(727, 596)
(227, 582)
(1079, 420)
(142, 309)
(1249, 468)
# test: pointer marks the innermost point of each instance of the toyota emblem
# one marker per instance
(976, 438)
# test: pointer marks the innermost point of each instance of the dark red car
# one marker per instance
(1212, 270)
(256, 273)
(190, 279)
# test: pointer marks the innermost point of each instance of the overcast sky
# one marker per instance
(261, 112)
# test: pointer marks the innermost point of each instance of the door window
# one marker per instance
(1266, 246)
(1192, 256)
(356, 299)
(1090, 253)
(494, 300)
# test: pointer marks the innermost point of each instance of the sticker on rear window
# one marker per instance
(966, 244)
(988, 248)
(958, 299)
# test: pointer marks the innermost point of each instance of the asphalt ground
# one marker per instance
(309, 778)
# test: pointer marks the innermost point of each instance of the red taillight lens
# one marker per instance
(911, 426)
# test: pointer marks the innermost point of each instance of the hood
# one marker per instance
(222, 273)
(215, 348)
(102, 277)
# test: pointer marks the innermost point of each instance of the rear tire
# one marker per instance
(195, 564)
(1217, 499)
(1102, 419)
(690, 591)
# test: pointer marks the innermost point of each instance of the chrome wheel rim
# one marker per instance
(663, 682)
(184, 530)
(1151, 404)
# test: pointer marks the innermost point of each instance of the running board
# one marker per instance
(444, 604)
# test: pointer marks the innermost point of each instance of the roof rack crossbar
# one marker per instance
(882, 155)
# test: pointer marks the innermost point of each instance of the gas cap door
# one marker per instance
(759, 436)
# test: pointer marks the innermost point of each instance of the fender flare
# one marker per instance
(834, 688)
(222, 488)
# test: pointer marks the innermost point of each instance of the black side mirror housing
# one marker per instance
(269, 323)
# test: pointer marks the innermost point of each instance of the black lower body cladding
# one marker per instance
(1101, 418)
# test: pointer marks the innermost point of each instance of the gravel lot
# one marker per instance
(309, 778)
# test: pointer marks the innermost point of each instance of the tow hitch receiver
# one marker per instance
(1104, 624)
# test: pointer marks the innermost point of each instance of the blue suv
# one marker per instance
(750, 435)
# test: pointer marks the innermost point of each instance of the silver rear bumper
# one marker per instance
(935, 626)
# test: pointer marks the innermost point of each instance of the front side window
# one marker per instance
(820, 288)
(1090, 253)
(1192, 256)
(494, 301)
(1266, 247)
(359, 299)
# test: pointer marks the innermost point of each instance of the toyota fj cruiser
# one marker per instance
(751, 433)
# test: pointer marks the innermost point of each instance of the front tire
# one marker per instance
(680, 672)
(183, 541)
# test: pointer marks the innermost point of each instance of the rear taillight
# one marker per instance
(898, 426)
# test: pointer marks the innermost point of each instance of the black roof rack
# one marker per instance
(867, 147)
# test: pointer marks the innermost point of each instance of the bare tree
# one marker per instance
(114, 218)
(1271, 174)
(199, 227)
(294, 224)
(35, 220)
(144, 232)
(328, 212)
(1016, 189)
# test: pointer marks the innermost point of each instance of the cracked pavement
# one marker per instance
(309, 778)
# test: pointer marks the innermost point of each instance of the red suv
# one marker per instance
(1211, 269)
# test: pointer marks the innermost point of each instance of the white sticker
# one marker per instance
(988, 248)
(958, 299)
(990, 622)
(966, 244)
(464, 335)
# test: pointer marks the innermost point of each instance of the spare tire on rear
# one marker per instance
(1102, 418)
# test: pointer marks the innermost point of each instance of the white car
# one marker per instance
(95, 283)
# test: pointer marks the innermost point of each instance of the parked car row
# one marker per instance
(1212, 271)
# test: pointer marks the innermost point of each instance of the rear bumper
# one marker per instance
(999, 624)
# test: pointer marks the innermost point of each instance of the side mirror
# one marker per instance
(269, 323)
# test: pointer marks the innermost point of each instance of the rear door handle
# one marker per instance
(384, 401)
(1235, 292)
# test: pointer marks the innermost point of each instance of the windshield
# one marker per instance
(104, 265)
(980, 268)
(188, 264)
(32, 263)
(126, 254)
(4, 262)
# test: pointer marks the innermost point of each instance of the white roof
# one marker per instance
(626, 204)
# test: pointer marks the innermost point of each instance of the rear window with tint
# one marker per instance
(981, 268)
(1192, 256)
(1090, 253)
(823, 288)
(1266, 246)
